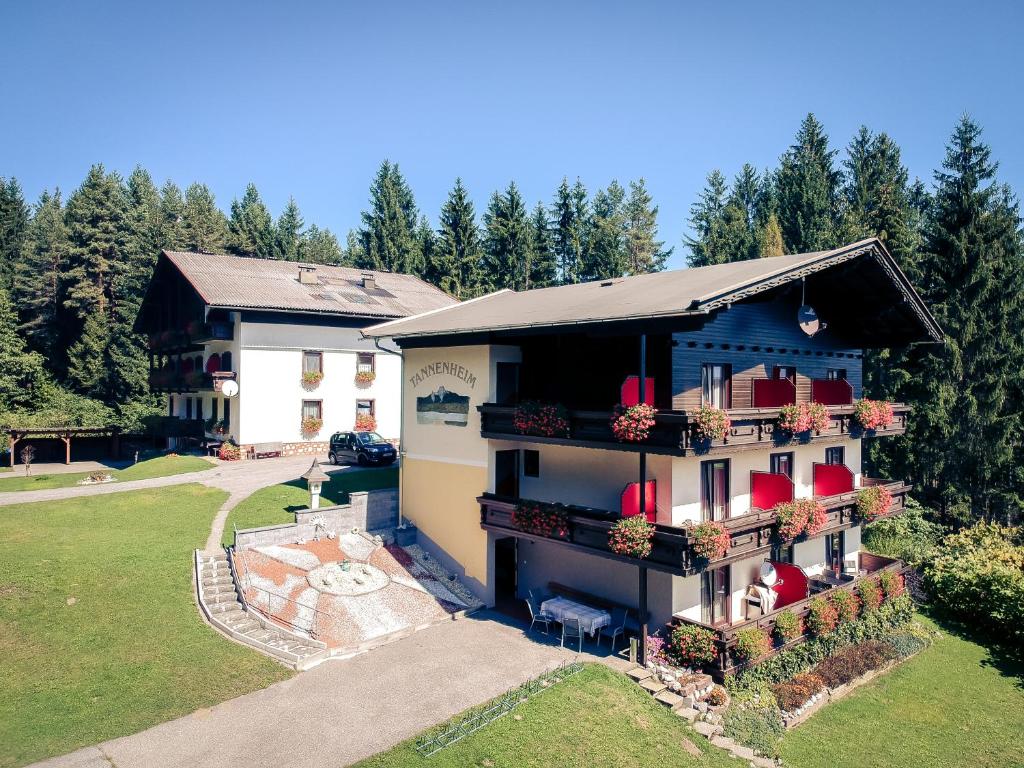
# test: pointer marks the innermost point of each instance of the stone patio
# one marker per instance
(352, 592)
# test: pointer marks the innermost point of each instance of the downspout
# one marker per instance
(401, 429)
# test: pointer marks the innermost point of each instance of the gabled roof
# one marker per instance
(239, 282)
(676, 293)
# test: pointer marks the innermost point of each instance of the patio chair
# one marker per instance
(537, 615)
(616, 629)
(571, 629)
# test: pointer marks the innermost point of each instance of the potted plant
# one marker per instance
(631, 537)
(710, 423)
(541, 519)
(311, 425)
(633, 424)
(690, 645)
(544, 419)
(312, 379)
(872, 414)
(710, 540)
(752, 644)
(873, 502)
(364, 378)
(366, 422)
(788, 626)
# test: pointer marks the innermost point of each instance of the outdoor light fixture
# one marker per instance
(315, 478)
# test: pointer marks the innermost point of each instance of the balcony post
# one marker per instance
(643, 506)
(643, 615)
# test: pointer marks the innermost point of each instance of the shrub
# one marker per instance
(656, 650)
(909, 536)
(633, 424)
(710, 423)
(803, 417)
(846, 603)
(822, 618)
(978, 575)
(788, 626)
(906, 644)
(690, 645)
(631, 537)
(365, 377)
(757, 725)
(710, 540)
(851, 662)
(311, 425)
(365, 422)
(312, 379)
(752, 644)
(544, 419)
(541, 518)
(870, 595)
(872, 414)
(716, 697)
(793, 694)
(873, 502)
(891, 583)
(228, 451)
(795, 518)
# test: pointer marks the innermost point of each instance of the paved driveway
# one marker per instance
(342, 711)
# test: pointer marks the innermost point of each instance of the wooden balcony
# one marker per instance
(164, 380)
(672, 434)
(192, 337)
(725, 634)
(751, 535)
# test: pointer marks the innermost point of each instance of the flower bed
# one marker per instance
(872, 414)
(873, 502)
(801, 517)
(543, 419)
(541, 519)
(793, 694)
(710, 540)
(710, 423)
(631, 537)
(366, 422)
(229, 452)
(633, 424)
(803, 417)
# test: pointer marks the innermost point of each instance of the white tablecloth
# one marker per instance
(591, 619)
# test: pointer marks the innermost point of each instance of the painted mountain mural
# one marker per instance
(443, 407)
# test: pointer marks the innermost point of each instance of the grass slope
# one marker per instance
(276, 504)
(597, 719)
(99, 634)
(162, 466)
(952, 706)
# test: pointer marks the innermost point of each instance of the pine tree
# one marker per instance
(38, 290)
(770, 238)
(172, 211)
(203, 225)
(250, 227)
(605, 255)
(807, 191)
(319, 246)
(708, 247)
(14, 216)
(426, 241)
(455, 263)
(543, 264)
(967, 420)
(87, 356)
(387, 238)
(288, 232)
(643, 249)
(506, 241)
(21, 372)
(571, 218)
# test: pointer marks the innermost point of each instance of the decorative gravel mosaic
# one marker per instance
(350, 590)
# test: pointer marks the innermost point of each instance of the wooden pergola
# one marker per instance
(17, 434)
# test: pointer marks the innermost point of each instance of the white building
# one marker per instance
(288, 335)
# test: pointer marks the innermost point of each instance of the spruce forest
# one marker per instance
(74, 268)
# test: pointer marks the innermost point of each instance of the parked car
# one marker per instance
(363, 448)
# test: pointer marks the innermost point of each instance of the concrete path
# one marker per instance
(343, 711)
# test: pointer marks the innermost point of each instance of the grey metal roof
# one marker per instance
(238, 282)
(674, 293)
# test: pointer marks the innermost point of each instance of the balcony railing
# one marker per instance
(726, 662)
(163, 380)
(194, 334)
(172, 426)
(750, 534)
(673, 435)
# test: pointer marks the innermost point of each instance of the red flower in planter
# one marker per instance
(803, 516)
(544, 419)
(710, 423)
(710, 540)
(872, 414)
(366, 422)
(873, 502)
(634, 423)
(691, 645)
(541, 519)
(803, 417)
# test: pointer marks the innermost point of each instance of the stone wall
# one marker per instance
(366, 510)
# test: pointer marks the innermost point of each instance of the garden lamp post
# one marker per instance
(315, 478)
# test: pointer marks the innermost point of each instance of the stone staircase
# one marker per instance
(220, 602)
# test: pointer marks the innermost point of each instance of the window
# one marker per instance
(199, 409)
(835, 545)
(714, 489)
(714, 596)
(227, 413)
(365, 407)
(312, 409)
(365, 362)
(784, 372)
(214, 407)
(170, 405)
(835, 374)
(225, 361)
(312, 362)
(782, 553)
(781, 464)
(188, 407)
(835, 455)
(531, 463)
(716, 385)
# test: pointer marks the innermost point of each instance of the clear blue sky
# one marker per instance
(306, 99)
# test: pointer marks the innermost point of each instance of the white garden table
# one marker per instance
(591, 619)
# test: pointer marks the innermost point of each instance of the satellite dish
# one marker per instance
(808, 320)
(229, 388)
(768, 574)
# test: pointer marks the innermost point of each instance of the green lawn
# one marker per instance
(99, 633)
(954, 705)
(276, 504)
(162, 466)
(595, 719)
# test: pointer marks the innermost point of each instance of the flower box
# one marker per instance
(541, 519)
(710, 540)
(312, 379)
(543, 419)
(633, 423)
(710, 423)
(802, 418)
(311, 425)
(366, 422)
(364, 378)
(631, 537)
(872, 414)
